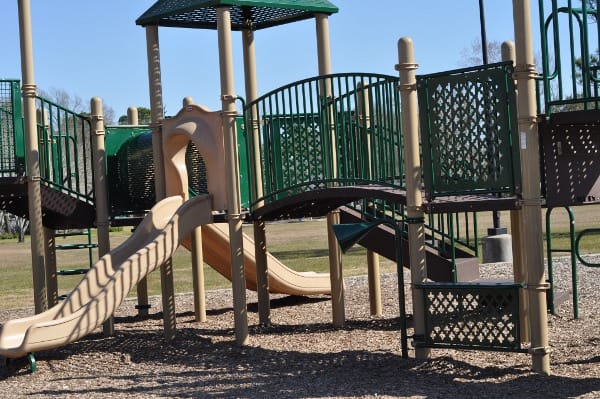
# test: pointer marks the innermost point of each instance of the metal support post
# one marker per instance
(531, 211)
(238, 278)
(34, 195)
(100, 189)
(412, 164)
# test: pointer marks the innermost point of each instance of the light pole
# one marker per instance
(496, 229)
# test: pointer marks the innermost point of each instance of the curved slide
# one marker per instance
(105, 286)
(282, 279)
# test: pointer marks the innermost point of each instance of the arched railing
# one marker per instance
(340, 129)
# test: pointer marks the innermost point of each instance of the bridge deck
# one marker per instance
(319, 202)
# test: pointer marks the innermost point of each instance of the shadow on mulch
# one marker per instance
(194, 365)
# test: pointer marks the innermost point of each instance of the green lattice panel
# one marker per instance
(296, 150)
(469, 131)
(472, 316)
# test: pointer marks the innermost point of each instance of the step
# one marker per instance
(71, 272)
(76, 246)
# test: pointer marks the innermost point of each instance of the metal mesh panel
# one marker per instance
(196, 169)
(570, 144)
(468, 123)
(472, 316)
(8, 165)
(132, 175)
(137, 173)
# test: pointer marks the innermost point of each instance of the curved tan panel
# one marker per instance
(282, 279)
(203, 127)
(105, 286)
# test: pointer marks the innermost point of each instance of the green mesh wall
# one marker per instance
(131, 175)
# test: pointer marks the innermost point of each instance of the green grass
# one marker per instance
(299, 245)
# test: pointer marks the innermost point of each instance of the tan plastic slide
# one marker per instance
(282, 279)
(105, 286)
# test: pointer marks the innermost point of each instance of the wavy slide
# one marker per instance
(282, 279)
(105, 286)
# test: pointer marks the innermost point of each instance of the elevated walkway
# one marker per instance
(60, 211)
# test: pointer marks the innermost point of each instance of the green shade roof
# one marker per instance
(245, 14)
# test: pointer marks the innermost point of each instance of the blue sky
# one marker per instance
(94, 48)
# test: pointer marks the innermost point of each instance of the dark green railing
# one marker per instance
(65, 150)
(341, 129)
(447, 230)
(569, 64)
(12, 146)
(468, 120)
(443, 231)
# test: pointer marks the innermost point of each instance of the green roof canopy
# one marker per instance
(245, 14)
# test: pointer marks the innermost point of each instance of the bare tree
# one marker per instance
(472, 55)
(74, 103)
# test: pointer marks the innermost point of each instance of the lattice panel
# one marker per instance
(297, 150)
(473, 316)
(570, 144)
(468, 121)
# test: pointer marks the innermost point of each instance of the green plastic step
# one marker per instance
(71, 272)
(76, 246)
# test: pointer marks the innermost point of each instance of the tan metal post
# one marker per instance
(156, 107)
(228, 112)
(142, 285)
(531, 221)
(335, 253)
(198, 284)
(34, 195)
(132, 116)
(50, 256)
(519, 274)
(260, 237)
(364, 124)
(100, 189)
(412, 164)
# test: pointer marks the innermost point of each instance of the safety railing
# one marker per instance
(65, 150)
(12, 146)
(569, 31)
(341, 129)
(443, 231)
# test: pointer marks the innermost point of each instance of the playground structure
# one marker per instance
(338, 140)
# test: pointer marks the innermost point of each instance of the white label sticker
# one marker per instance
(523, 140)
